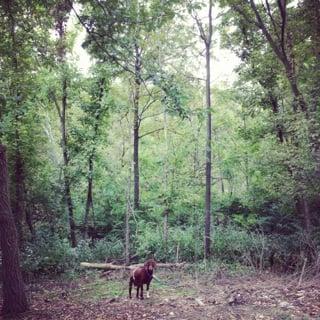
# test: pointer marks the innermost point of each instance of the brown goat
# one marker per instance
(140, 276)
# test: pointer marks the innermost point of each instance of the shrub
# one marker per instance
(181, 243)
(232, 244)
(106, 248)
(48, 254)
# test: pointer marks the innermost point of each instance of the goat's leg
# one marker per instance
(138, 291)
(141, 292)
(130, 287)
(148, 284)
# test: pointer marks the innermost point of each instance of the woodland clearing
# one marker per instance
(180, 295)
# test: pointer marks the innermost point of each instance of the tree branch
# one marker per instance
(150, 132)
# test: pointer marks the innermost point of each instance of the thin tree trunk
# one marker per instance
(14, 296)
(89, 202)
(167, 201)
(61, 13)
(165, 232)
(302, 208)
(127, 221)
(29, 221)
(275, 110)
(207, 226)
(127, 233)
(207, 242)
(136, 127)
(64, 143)
(222, 184)
(306, 215)
(206, 36)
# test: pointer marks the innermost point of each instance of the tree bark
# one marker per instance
(136, 127)
(15, 91)
(127, 232)
(19, 201)
(127, 218)
(306, 216)
(89, 202)
(283, 51)
(207, 236)
(207, 226)
(275, 109)
(167, 202)
(29, 222)
(61, 13)
(64, 144)
(14, 296)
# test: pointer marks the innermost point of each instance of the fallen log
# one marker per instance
(111, 266)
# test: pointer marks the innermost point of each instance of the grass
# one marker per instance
(100, 289)
(172, 291)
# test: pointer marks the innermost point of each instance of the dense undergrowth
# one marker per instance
(231, 245)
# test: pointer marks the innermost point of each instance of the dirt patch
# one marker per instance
(179, 296)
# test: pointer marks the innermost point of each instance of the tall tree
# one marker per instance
(118, 31)
(206, 37)
(95, 107)
(61, 15)
(11, 9)
(21, 50)
(14, 296)
(282, 35)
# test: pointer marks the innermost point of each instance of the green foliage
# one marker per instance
(265, 148)
(181, 244)
(111, 249)
(49, 254)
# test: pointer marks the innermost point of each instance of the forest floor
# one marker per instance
(181, 295)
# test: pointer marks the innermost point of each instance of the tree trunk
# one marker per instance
(15, 91)
(207, 244)
(19, 201)
(61, 13)
(306, 215)
(64, 143)
(167, 202)
(275, 109)
(127, 233)
(206, 36)
(136, 126)
(14, 297)
(165, 232)
(127, 221)
(29, 221)
(302, 208)
(89, 202)
(207, 236)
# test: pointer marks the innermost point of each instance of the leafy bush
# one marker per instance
(84, 252)
(232, 244)
(181, 243)
(229, 244)
(105, 248)
(48, 254)
(52, 254)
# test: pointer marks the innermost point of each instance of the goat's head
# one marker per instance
(150, 265)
